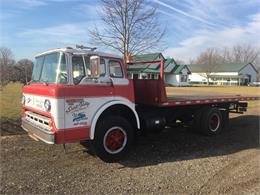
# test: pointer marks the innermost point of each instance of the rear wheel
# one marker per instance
(113, 138)
(211, 121)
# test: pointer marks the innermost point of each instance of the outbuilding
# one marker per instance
(224, 74)
(174, 74)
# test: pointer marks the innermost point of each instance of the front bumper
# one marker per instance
(38, 132)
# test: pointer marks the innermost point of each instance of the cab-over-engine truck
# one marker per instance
(79, 94)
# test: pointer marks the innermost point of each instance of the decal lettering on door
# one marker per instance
(76, 111)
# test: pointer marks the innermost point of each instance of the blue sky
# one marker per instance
(32, 26)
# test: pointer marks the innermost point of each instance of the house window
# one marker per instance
(184, 78)
(135, 76)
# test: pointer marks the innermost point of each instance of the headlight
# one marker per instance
(23, 100)
(47, 105)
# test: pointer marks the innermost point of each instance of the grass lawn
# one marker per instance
(10, 101)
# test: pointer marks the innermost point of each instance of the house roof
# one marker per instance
(152, 67)
(226, 67)
(170, 65)
(145, 58)
(148, 57)
(178, 68)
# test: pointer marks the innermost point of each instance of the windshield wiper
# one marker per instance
(44, 82)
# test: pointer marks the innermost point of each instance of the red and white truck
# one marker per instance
(78, 94)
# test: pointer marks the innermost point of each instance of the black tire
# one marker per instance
(211, 122)
(104, 142)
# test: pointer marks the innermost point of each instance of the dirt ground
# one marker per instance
(174, 161)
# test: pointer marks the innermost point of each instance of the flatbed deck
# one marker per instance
(199, 95)
(154, 93)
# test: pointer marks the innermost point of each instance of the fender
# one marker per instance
(104, 107)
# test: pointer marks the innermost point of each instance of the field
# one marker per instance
(175, 161)
(10, 109)
(10, 102)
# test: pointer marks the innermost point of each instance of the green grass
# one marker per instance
(10, 101)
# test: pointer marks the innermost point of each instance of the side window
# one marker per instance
(102, 68)
(78, 69)
(87, 64)
(115, 69)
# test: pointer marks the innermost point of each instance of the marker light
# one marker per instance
(23, 100)
(47, 105)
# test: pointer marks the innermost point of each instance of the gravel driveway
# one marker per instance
(175, 161)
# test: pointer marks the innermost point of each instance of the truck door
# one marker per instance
(123, 87)
(90, 88)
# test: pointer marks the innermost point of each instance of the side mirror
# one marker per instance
(94, 66)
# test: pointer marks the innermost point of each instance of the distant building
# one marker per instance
(224, 74)
(174, 74)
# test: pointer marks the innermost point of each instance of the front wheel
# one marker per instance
(113, 138)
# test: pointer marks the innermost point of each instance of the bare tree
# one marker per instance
(6, 60)
(209, 61)
(243, 54)
(6, 56)
(129, 26)
(25, 67)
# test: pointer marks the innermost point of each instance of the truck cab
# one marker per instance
(72, 92)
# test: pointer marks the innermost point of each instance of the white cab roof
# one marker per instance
(79, 51)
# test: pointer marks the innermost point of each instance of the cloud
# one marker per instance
(179, 11)
(63, 34)
(228, 37)
(40, 39)
(87, 10)
(28, 4)
(24, 3)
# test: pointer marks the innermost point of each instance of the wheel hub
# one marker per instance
(214, 122)
(114, 140)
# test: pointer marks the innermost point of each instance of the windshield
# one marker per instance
(50, 68)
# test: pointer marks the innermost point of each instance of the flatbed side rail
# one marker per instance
(207, 101)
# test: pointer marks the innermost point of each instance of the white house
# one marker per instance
(224, 74)
(174, 74)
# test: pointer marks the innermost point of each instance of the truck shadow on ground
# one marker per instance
(11, 127)
(182, 144)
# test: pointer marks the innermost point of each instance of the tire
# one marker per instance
(211, 122)
(113, 139)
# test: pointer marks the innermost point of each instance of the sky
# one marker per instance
(29, 27)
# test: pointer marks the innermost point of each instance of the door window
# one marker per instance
(78, 69)
(115, 69)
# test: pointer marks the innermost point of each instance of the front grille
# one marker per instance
(38, 120)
